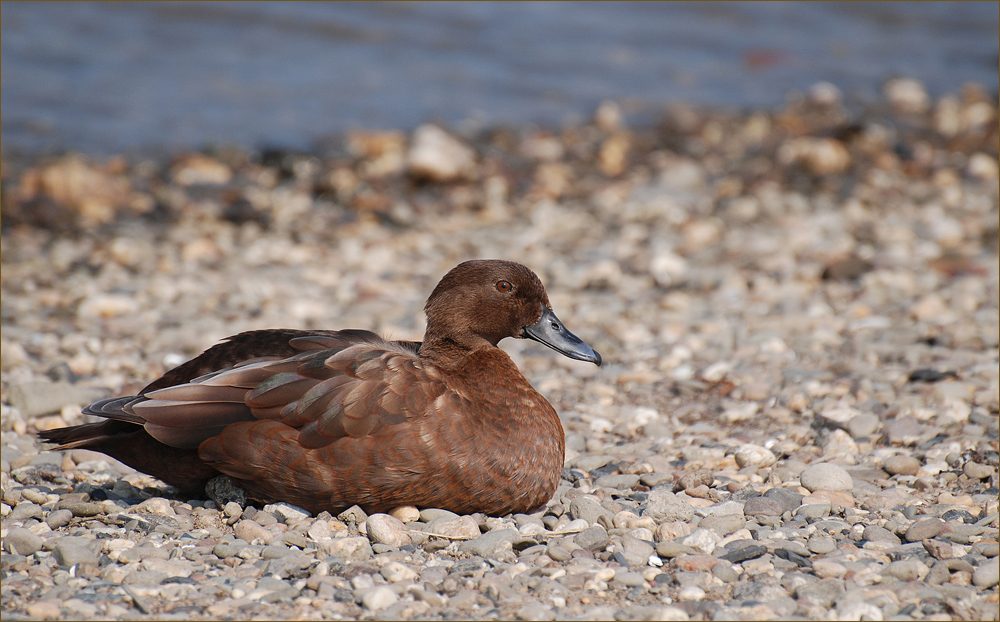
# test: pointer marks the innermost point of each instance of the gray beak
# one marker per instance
(550, 331)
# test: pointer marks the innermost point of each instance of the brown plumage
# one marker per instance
(329, 419)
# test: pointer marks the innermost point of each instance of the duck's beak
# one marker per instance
(550, 331)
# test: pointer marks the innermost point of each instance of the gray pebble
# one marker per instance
(723, 525)
(273, 551)
(901, 465)
(629, 579)
(725, 572)
(670, 549)
(823, 592)
(20, 541)
(825, 476)
(821, 543)
(636, 551)
(986, 576)
(664, 506)
(906, 569)
(490, 543)
(789, 499)
(24, 511)
(592, 538)
(656, 479)
(863, 425)
(762, 506)
(432, 514)
(388, 530)
(558, 552)
(70, 552)
(693, 479)
(924, 529)
(813, 510)
(145, 578)
(590, 511)
(58, 518)
(80, 509)
(974, 470)
(874, 533)
(536, 612)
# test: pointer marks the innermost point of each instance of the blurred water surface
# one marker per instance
(107, 77)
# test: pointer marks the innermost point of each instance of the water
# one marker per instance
(108, 77)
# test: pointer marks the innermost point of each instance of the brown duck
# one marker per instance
(329, 419)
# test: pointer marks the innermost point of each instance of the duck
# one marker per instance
(329, 419)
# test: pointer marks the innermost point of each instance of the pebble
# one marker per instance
(21, 542)
(902, 465)
(762, 506)
(387, 529)
(379, 598)
(986, 576)
(974, 470)
(665, 506)
(754, 456)
(875, 533)
(924, 529)
(491, 543)
(825, 476)
(73, 552)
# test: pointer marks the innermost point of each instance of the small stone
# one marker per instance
(725, 572)
(222, 489)
(754, 456)
(827, 569)
(825, 476)
(592, 539)
(938, 549)
(429, 515)
(907, 570)
(749, 551)
(901, 465)
(636, 551)
(590, 511)
(986, 576)
(351, 548)
(288, 512)
(723, 525)
(701, 540)
(353, 515)
(976, 471)
(45, 609)
(232, 510)
(21, 541)
(387, 529)
(58, 518)
(671, 549)
(924, 529)
(536, 612)
(821, 543)
(73, 552)
(249, 530)
(394, 572)
(157, 506)
(665, 506)
(693, 479)
(789, 499)
(379, 598)
(558, 552)
(762, 506)
(874, 533)
(462, 528)
(629, 579)
(491, 543)
(406, 513)
(863, 425)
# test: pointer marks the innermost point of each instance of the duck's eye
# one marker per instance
(504, 287)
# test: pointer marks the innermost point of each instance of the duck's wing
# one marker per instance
(343, 384)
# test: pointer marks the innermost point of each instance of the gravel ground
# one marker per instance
(797, 417)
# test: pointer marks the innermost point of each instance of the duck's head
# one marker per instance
(491, 299)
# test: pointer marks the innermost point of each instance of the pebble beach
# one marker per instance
(797, 416)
